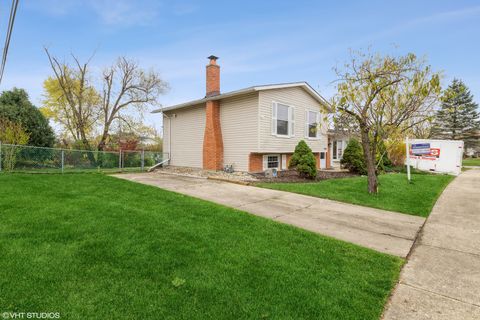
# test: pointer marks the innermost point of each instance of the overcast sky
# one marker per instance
(258, 42)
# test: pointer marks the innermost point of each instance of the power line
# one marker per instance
(13, 12)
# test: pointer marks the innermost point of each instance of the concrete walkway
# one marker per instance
(442, 277)
(381, 230)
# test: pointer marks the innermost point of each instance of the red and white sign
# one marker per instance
(433, 155)
(445, 156)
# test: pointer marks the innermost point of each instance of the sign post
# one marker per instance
(408, 159)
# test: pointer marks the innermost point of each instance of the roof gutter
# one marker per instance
(312, 91)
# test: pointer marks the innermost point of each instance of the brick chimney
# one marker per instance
(213, 77)
(213, 140)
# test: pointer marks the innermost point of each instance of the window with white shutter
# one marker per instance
(283, 120)
(319, 123)
(312, 124)
(291, 119)
(274, 118)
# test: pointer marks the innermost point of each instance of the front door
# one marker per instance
(323, 161)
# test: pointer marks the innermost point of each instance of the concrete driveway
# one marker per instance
(442, 277)
(381, 230)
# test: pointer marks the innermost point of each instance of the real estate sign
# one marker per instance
(444, 156)
(419, 149)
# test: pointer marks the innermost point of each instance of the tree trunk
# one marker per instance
(103, 140)
(86, 146)
(369, 161)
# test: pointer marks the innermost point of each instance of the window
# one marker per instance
(282, 120)
(312, 121)
(271, 161)
(337, 149)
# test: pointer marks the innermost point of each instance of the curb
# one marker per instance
(243, 183)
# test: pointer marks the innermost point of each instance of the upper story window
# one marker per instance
(312, 124)
(282, 120)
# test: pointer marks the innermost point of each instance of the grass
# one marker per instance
(471, 162)
(395, 193)
(78, 170)
(92, 246)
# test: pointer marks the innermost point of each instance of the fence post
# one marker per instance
(120, 160)
(143, 159)
(0, 156)
(63, 159)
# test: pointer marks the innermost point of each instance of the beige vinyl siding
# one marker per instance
(301, 100)
(188, 127)
(239, 121)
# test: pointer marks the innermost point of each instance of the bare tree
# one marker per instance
(126, 92)
(76, 104)
(127, 86)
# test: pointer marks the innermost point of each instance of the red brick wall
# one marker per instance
(328, 155)
(289, 156)
(213, 79)
(255, 162)
(327, 159)
(213, 141)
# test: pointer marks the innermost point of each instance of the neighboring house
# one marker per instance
(252, 129)
(338, 143)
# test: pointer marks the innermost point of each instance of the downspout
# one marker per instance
(169, 144)
(169, 135)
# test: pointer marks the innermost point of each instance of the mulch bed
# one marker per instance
(292, 176)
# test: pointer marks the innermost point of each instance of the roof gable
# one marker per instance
(303, 85)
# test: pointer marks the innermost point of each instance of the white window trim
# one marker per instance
(335, 150)
(318, 118)
(265, 161)
(291, 120)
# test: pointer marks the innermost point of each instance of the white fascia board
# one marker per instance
(305, 85)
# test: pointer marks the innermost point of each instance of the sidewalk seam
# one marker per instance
(439, 294)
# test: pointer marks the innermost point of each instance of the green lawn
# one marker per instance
(395, 193)
(95, 247)
(471, 162)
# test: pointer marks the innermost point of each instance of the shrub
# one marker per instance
(383, 160)
(396, 152)
(11, 133)
(16, 107)
(304, 161)
(353, 159)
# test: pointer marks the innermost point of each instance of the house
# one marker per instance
(251, 129)
(338, 142)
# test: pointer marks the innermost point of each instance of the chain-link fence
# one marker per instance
(16, 158)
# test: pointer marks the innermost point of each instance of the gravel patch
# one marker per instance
(210, 174)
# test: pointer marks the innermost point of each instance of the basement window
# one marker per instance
(271, 161)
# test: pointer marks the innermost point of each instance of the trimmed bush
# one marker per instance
(304, 161)
(353, 159)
